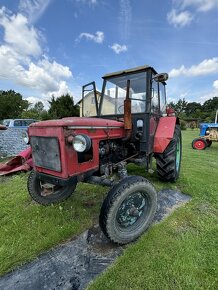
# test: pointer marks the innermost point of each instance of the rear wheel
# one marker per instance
(47, 193)
(199, 144)
(128, 209)
(169, 162)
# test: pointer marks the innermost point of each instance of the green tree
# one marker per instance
(12, 104)
(62, 107)
(39, 107)
(209, 108)
(179, 107)
(211, 105)
(192, 109)
(36, 112)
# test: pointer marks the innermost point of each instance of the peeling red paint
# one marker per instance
(21, 162)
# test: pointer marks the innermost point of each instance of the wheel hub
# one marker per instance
(131, 209)
(134, 211)
(199, 144)
(47, 189)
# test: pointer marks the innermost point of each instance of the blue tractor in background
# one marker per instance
(208, 134)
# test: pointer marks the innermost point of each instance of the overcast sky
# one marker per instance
(53, 47)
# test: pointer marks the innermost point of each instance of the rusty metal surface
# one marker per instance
(127, 115)
(126, 71)
(3, 127)
(96, 129)
(21, 162)
(77, 121)
(128, 112)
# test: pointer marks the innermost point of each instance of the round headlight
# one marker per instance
(81, 143)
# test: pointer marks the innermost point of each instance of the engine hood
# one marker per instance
(79, 122)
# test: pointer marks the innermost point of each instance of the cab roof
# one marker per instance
(127, 71)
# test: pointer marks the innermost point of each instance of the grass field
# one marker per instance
(28, 229)
(182, 251)
(179, 253)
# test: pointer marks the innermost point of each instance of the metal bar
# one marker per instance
(102, 97)
(127, 109)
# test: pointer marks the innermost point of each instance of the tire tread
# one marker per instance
(165, 162)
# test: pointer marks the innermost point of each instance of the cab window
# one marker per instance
(162, 93)
(154, 98)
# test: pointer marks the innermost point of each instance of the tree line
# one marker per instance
(193, 110)
(13, 106)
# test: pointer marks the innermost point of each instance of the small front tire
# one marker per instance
(47, 193)
(199, 144)
(128, 209)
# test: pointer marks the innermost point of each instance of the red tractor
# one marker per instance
(130, 125)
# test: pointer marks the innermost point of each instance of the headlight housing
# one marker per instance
(81, 143)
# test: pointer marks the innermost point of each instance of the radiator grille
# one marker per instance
(46, 152)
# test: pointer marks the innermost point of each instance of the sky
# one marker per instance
(53, 47)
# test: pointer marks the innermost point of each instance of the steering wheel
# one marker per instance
(120, 110)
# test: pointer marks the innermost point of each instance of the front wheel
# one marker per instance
(169, 162)
(47, 193)
(128, 209)
(199, 144)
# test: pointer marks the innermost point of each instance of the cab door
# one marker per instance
(155, 113)
(90, 100)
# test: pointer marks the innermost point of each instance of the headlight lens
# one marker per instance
(81, 143)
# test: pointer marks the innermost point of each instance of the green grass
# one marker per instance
(179, 253)
(28, 229)
(182, 251)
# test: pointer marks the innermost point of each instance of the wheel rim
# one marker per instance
(131, 209)
(178, 155)
(199, 144)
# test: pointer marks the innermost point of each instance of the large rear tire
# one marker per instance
(47, 193)
(128, 209)
(168, 163)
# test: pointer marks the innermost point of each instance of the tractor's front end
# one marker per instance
(67, 151)
(208, 134)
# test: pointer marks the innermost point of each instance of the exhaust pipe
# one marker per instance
(127, 114)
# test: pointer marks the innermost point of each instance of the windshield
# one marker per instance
(115, 94)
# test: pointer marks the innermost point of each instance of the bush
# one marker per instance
(183, 125)
(192, 125)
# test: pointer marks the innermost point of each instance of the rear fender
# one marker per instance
(164, 133)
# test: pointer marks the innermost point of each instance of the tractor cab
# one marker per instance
(139, 85)
(136, 97)
(142, 85)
